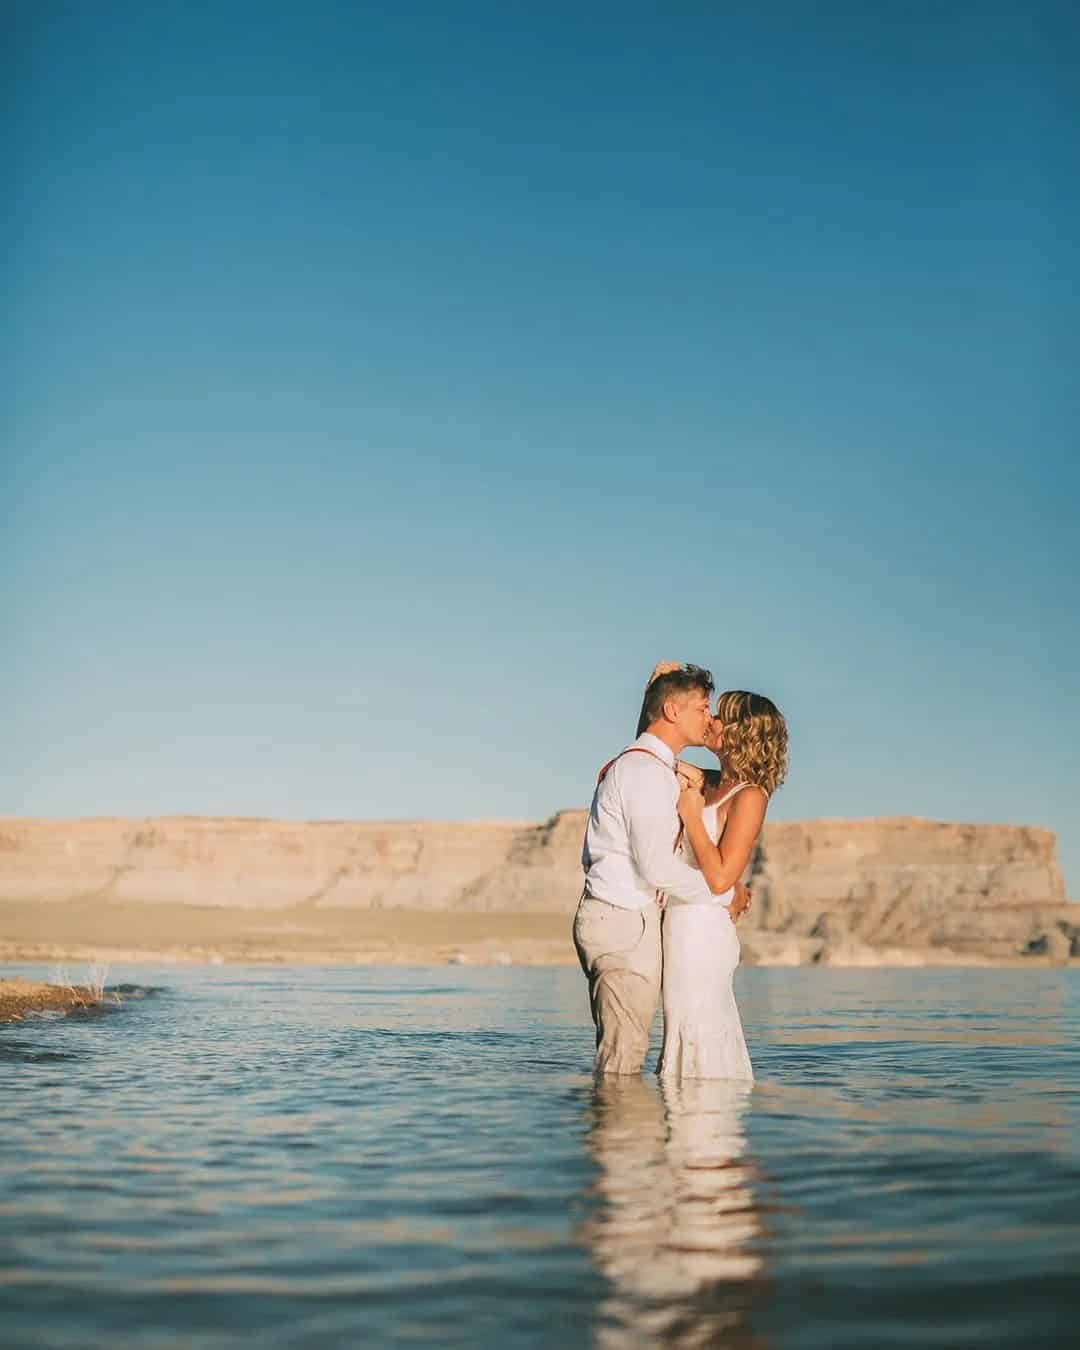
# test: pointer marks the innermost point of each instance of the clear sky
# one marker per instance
(394, 384)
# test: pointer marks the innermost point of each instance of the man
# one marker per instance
(630, 862)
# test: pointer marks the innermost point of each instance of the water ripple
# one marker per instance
(345, 1157)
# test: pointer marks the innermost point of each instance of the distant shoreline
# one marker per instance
(115, 934)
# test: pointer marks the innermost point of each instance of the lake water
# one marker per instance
(388, 1157)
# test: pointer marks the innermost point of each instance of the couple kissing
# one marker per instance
(665, 849)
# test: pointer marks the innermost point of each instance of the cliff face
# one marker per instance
(251, 863)
(837, 884)
(909, 882)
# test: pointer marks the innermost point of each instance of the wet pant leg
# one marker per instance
(619, 951)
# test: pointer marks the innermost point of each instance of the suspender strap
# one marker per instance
(640, 750)
(632, 750)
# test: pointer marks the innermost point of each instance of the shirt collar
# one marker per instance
(656, 747)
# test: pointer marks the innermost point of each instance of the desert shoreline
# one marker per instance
(895, 891)
(114, 934)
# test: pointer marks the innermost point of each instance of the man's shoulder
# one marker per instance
(637, 756)
(637, 765)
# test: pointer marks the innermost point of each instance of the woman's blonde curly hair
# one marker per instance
(755, 745)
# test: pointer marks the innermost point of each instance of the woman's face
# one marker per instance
(714, 736)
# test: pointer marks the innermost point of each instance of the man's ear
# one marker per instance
(671, 710)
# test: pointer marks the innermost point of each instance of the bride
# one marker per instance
(722, 814)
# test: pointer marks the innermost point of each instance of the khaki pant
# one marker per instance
(619, 951)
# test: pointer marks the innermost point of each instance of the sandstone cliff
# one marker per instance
(913, 883)
(827, 890)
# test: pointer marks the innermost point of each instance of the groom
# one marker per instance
(630, 861)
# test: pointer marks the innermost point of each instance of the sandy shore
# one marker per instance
(113, 933)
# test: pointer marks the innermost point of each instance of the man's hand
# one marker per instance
(740, 902)
(691, 804)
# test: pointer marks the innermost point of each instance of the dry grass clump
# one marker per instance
(19, 997)
(92, 987)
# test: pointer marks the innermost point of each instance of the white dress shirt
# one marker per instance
(629, 841)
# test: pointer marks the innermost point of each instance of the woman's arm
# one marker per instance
(724, 863)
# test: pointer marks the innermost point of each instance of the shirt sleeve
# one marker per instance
(652, 821)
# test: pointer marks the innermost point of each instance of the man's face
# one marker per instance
(693, 719)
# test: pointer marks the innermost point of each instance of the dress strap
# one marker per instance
(728, 795)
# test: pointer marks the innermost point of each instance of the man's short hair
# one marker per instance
(685, 680)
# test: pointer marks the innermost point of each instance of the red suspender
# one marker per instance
(640, 750)
(632, 750)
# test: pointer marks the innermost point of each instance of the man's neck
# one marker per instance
(664, 731)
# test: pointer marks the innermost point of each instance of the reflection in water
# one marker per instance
(674, 1218)
(268, 1158)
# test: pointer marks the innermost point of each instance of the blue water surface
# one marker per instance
(309, 1157)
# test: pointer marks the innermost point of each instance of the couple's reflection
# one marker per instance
(673, 1221)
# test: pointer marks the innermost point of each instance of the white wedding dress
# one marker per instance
(703, 1035)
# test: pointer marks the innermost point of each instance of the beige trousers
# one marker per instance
(619, 951)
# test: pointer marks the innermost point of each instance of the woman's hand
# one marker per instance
(691, 804)
(740, 902)
(662, 668)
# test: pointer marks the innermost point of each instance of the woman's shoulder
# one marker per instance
(748, 803)
(730, 793)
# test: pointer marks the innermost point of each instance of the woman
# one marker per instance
(722, 814)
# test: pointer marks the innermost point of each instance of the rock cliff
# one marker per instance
(826, 890)
(912, 883)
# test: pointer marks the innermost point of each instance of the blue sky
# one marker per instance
(393, 389)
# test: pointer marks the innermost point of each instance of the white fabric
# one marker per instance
(629, 840)
(703, 1035)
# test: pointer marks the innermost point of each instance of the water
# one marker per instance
(384, 1157)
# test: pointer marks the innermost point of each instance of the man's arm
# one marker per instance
(648, 794)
